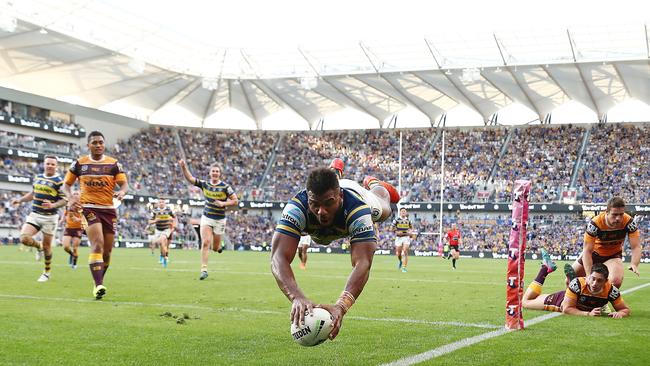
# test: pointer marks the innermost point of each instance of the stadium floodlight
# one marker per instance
(210, 83)
(308, 83)
(8, 23)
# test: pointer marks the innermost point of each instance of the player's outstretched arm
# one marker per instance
(362, 254)
(186, 172)
(25, 198)
(283, 250)
(569, 306)
(621, 310)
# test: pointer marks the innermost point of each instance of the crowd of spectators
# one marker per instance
(370, 152)
(12, 216)
(545, 155)
(469, 157)
(616, 162)
(242, 155)
(150, 160)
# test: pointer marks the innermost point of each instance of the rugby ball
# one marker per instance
(318, 325)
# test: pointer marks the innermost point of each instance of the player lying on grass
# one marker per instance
(586, 296)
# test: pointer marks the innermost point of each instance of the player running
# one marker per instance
(72, 232)
(328, 211)
(47, 197)
(98, 174)
(165, 221)
(402, 227)
(585, 296)
(218, 195)
(603, 242)
(454, 240)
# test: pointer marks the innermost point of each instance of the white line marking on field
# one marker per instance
(466, 342)
(242, 310)
(417, 321)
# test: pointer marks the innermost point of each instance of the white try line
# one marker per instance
(466, 342)
(243, 310)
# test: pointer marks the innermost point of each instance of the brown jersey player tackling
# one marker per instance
(98, 174)
(603, 243)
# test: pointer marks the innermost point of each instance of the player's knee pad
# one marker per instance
(25, 239)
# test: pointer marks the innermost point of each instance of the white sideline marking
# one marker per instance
(466, 342)
(251, 311)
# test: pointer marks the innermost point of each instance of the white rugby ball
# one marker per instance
(318, 325)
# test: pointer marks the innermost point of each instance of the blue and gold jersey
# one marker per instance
(164, 217)
(353, 220)
(47, 189)
(402, 226)
(212, 193)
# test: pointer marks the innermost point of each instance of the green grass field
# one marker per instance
(238, 316)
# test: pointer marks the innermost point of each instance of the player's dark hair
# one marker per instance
(321, 180)
(95, 133)
(615, 202)
(600, 268)
(50, 157)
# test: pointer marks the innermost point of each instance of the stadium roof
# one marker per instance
(96, 54)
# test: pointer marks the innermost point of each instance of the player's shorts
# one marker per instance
(47, 224)
(305, 241)
(107, 217)
(553, 302)
(162, 233)
(600, 259)
(218, 226)
(73, 232)
(454, 247)
(369, 198)
(402, 241)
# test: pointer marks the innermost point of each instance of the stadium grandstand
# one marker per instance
(451, 119)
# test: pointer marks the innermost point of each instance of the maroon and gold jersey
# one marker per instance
(72, 219)
(97, 179)
(587, 300)
(607, 240)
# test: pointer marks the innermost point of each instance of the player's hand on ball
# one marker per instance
(337, 314)
(595, 312)
(298, 308)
